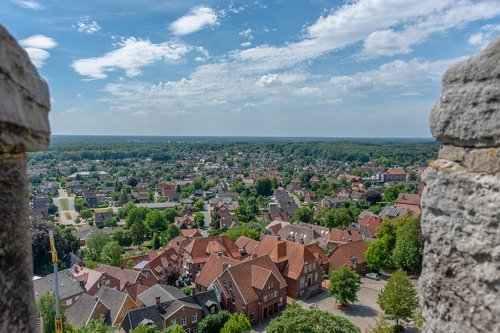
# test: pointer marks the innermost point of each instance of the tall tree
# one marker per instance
(46, 308)
(95, 244)
(155, 221)
(398, 299)
(237, 323)
(338, 218)
(378, 257)
(264, 187)
(111, 254)
(344, 285)
(174, 329)
(213, 323)
(170, 275)
(408, 251)
(303, 214)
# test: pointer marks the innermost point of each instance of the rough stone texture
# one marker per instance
(460, 280)
(24, 100)
(467, 113)
(17, 310)
(24, 126)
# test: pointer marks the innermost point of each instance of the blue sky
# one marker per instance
(271, 68)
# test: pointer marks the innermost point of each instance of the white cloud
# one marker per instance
(36, 46)
(86, 26)
(246, 44)
(389, 42)
(197, 19)
(404, 74)
(247, 33)
(484, 35)
(131, 57)
(30, 4)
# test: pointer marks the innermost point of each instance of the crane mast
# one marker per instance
(58, 320)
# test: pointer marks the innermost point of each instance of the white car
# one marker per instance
(373, 276)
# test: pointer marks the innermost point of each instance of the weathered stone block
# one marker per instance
(468, 112)
(460, 281)
(25, 100)
(480, 160)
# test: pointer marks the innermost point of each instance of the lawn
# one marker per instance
(64, 204)
(103, 210)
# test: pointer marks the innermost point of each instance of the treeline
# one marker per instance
(401, 152)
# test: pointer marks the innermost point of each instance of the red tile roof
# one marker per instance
(342, 254)
(213, 269)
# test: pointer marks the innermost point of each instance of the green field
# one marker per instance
(64, 204)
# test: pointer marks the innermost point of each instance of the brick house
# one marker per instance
(394, 175)
(196, 253)
(409, 202)
(351, 254)
(93, 280)
(300, 265)
(215, 265)
(254, 288)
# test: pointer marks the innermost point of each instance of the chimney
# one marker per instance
(278, 237)
(224, 266)
(157, 299)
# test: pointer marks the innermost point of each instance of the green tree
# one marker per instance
(264, 187)
(237, 323)
(303, 214)
(95, 244)
(86, 213)
(110, 222)
(344, 285)
(338, 218)
(242, 230)
(213, 323)
(170, 214)
(298, 320)
(80, 204)
(155, 221)
(143, 328)
(111, 254)
(96, 326)
(123, 237)
(135, 215)
(378, 257)
(199, 219)
(53, 209)
(408, 251)
(380, 326)
(46, 308)
(138, 232)
(187, 291)
(174, 329)
(398, 299)
(169, 234)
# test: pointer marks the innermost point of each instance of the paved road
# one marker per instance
(208, 219)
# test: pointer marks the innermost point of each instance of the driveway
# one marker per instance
(208, 220)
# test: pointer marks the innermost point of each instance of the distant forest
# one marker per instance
(385, 151)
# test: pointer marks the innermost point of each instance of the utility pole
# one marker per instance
(58, 320)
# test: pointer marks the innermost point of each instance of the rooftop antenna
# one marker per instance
(58, 320)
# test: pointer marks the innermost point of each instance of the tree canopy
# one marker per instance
(344, 285)
(237, 323)
(408, 251)
(213, 323)
(398, 299)
(298, 320)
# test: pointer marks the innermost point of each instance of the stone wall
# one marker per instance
(24, 126)
(460, 281)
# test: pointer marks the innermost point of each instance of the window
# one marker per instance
(302, 282)
(314, 265)
(194, 318)
(183, 321)
(271, 284)
(230, 285)
(280, 302)
(264, 299)
(275, 294)
(252, 316)
(316, 276)
(173, 322)
(212, 309)
(306, 269)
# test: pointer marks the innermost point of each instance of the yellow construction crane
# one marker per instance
(58, 320)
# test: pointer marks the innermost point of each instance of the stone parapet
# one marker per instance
(460, 278)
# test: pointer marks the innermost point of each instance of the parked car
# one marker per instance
(373, 276)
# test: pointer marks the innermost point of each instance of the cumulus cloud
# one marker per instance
(131, 56)
(36, 46)
(30, 4)
(197, 19)
(247, 33)
(86, 26)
